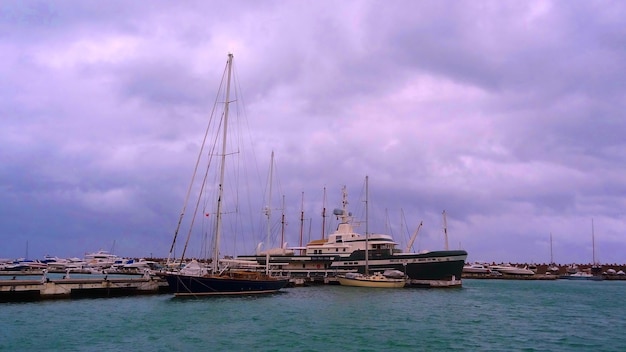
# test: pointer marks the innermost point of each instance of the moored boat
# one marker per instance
(595, 272)
(476, 269)
(376, 280)
(508, 269)
(581, 275)
(344, 251)
(221, 278)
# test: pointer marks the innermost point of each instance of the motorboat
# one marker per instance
(508, 269)
(581, 275)
(476, 269)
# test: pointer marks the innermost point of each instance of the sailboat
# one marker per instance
(596, 269)
(377, 279)
(552, 269)
(223, 277)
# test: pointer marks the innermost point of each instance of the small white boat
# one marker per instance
(581, 275)
(552, 269)
(375, 280)
(476, 269)
(508, 269)
(22, 264)
(100, 260)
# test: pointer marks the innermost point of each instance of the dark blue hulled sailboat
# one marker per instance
(223, 277)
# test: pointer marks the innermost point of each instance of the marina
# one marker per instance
(138, 212)
(32, 285)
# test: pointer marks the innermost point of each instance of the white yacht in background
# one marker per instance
(476, 269)
(101, 260)
(508, 269)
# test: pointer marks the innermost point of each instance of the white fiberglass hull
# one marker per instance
(378, 281)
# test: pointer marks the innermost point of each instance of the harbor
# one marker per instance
(32, 285)
(35, 285)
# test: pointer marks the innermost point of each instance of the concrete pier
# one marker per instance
(23, 290)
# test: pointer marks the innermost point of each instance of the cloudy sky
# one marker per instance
(508, 115)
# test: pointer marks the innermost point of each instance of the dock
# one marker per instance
(45, 288)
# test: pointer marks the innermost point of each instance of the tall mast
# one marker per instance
(324, 213)
(445, 230)
(218, 226)
(268, 213)
(367, 235)
(301, 221)
(282, 227)
(593, 244)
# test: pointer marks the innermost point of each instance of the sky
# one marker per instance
(508, 115)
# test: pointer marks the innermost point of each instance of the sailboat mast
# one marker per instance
(324, 213)
(593, 244)
(268, 213)
(218, 226)
(445, 230)
(301, 221)
(282, 227)
(367, 235)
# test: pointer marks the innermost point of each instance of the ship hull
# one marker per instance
(186, 285)
(431, 266)
(365, 282)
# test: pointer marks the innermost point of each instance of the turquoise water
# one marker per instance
(484, 315)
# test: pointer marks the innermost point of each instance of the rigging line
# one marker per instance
(243, 172)
(364, 208)
(388, 227)
(200, 196)
(203, 183)
(206, 133)
(404, 228)
(273, 176)
(240, 174)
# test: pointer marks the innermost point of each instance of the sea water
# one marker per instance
(483, 315)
